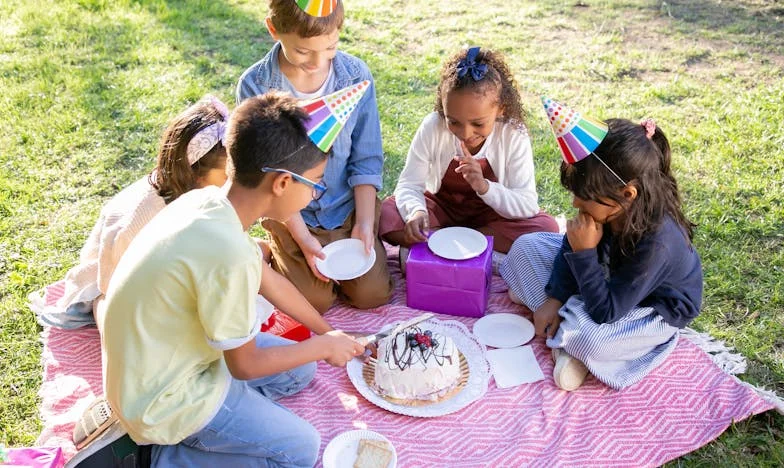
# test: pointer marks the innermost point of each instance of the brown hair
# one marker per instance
(498, 80)
(267, 131)
(644, 163)
(173, 175)
(287, 17)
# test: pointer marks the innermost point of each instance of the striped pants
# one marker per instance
(619, 354)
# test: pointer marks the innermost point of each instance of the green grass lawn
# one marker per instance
(88, 86)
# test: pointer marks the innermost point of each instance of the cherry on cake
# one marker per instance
(416, 364)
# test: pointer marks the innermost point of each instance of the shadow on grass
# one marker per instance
(757, 26)
(214, 39)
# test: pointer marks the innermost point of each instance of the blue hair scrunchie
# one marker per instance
(469, 65)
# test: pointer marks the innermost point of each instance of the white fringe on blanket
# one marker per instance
(730, 362)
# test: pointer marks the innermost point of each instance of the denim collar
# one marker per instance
(268, 74)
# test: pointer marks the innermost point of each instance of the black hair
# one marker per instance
(268, 131)
(643, 163)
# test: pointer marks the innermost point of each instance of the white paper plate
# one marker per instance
(341, 452)
(457, 243)
(345, 259)
(504, 330)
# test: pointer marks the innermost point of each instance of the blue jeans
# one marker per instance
(250, 428)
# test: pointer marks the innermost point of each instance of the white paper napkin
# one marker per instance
(514, 366)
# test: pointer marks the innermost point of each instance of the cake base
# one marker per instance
(369, 372)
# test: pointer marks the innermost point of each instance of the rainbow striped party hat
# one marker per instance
(577, 135)
(328, 114)
(317, 8)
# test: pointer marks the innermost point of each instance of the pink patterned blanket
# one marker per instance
(681, 406)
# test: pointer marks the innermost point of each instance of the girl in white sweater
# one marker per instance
(191, 156)
(470, 163)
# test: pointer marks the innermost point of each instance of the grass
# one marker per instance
(88, 86)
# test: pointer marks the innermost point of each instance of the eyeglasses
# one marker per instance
(318, 188)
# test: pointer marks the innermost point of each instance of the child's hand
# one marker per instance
(266, 250)
(311, 249)
(416, 228)
(339, 347)
(471, 171)
(583, 232)
(364, 232)
(361, 339)
(546, 318)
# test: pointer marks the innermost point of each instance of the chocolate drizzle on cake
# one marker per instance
(416, 347)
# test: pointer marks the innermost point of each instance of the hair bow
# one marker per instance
(650, 127)
(470, 65)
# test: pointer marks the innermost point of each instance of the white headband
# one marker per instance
(208, 137)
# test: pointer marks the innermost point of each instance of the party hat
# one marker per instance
(329, 113)
(577, 135)
(317, 8)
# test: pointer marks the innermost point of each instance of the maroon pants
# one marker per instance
(509, 229)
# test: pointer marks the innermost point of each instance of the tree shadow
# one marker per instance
(215, 41)
(757, 26)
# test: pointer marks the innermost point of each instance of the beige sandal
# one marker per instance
(569, 373)
(94, 421)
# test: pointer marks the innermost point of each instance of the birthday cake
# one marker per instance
(416, 364)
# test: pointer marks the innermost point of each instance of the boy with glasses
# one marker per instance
(185, 367)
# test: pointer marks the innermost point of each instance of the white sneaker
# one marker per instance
(569, 373)
(497, 258)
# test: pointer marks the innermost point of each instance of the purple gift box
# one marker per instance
(454, 287)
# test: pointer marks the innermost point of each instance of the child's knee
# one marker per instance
(525, 243)
(370, 301)
(371, 296)
(306, 452)
(321, 299)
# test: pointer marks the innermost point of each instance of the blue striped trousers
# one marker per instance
(619, 354)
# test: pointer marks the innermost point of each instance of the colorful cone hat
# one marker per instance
(328, 114)
(317, 8)
(577, 135)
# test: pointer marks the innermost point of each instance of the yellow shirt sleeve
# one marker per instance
(228, 311)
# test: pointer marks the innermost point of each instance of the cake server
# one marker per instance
(366, 340)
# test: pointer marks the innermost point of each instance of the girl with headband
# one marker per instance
(191, 156)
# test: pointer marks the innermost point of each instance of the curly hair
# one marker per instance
(498, 80)
(645, 164)
(173, 176)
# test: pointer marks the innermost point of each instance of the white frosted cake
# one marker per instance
(416, 364)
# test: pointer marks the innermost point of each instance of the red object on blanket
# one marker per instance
(281, 324)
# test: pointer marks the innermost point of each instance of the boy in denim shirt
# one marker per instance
(305, 62)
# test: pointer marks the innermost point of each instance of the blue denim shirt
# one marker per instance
(357, 157)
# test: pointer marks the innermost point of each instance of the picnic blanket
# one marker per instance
(684, 404)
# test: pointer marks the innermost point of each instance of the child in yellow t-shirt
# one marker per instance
(186, 368)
